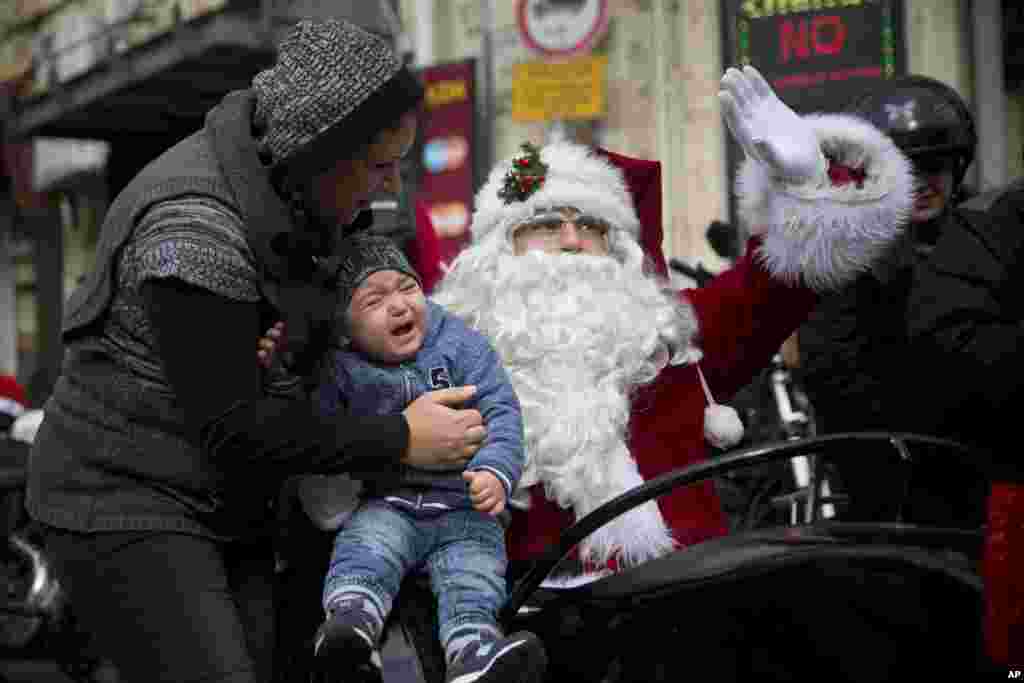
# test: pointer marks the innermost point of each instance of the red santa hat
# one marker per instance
(623, 190)
(643, 180)
(559, 174)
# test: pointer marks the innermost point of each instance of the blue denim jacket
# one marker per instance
(452, 355)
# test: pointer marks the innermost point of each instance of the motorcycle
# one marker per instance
(35, 620)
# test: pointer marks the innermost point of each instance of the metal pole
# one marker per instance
(986, 23)
(485, 96)
(424, 33)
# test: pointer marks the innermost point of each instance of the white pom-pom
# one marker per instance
(722, 426)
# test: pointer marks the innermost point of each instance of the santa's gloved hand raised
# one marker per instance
(768, 130)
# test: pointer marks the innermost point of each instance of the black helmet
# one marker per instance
(925, 118)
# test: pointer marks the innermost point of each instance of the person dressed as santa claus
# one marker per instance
(618, 377)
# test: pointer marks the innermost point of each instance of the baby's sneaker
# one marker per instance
(345, 648)
(518, 658)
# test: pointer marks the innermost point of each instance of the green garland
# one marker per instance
(525, 177)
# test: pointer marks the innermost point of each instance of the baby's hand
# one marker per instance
(486, 491)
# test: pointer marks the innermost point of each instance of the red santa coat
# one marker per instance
(821, 233)
(744, 315)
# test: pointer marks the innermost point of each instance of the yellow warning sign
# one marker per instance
(573, 89)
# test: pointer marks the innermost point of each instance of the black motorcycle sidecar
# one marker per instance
(825, 600)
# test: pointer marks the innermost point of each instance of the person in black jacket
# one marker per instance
(966, 321)
(164, 444)
(854, 355)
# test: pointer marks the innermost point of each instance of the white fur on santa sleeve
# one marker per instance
(825, 233)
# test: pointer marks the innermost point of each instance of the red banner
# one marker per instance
(445, 192)
(17, 158)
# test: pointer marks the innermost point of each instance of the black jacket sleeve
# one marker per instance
(829, 346)
(849, 349)
(208, 346)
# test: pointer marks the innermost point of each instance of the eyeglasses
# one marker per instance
(549, 226)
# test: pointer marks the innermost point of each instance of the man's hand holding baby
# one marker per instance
(486, 491)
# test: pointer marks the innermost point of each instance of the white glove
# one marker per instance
(768, 130)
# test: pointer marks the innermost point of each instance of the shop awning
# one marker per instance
(162, 86)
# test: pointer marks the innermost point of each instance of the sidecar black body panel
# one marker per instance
(830, 601)
(743, 557)
(776, 605)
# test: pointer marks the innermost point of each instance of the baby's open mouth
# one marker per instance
(402, 330)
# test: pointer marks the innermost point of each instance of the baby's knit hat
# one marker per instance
(363, 255)
(334, 86)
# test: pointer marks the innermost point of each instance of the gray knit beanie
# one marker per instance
(363, 254)
(333, 87)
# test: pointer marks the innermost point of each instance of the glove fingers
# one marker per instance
(757, 82)
(728, 109)
(734, 121)
(731, 115)
(736, 85)
(750, 96)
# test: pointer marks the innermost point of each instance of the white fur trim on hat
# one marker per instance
(576, 177)
(829, 234)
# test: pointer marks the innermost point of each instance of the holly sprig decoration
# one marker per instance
(526, 175)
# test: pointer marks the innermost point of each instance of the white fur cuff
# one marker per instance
(826, 233)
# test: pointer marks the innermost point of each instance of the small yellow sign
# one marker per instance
(441, 93)
(573, 89)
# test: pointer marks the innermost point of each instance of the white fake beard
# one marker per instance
(577, 334)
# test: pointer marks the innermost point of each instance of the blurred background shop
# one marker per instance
(91, 90)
